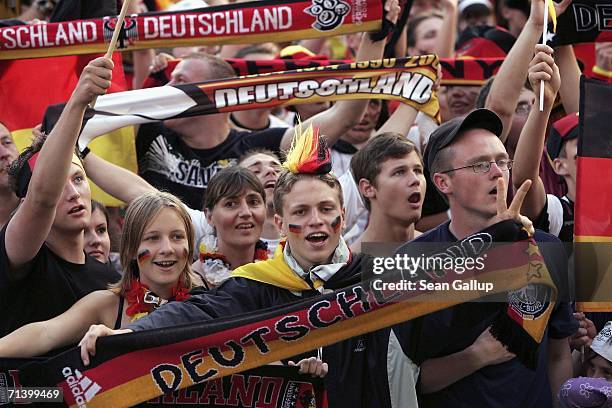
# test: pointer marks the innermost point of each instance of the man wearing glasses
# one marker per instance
(462, 364)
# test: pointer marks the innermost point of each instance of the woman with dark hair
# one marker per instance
(156, 249)
(97, 240)
(235, 207)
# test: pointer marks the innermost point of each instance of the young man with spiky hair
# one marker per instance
(389, 173)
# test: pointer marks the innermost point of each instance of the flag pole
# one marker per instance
(113, 42)
(544, 35)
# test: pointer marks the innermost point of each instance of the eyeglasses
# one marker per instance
(485, 166)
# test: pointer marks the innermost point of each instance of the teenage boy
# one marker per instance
(389, 173)
(43, 268)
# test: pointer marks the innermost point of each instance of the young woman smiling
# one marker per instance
(156, 246)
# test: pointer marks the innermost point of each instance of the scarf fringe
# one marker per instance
(516, 340)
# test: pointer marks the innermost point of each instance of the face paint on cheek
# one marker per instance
(144, 255)
(296, 229)
(336, 224)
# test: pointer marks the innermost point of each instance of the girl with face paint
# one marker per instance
(156, 247)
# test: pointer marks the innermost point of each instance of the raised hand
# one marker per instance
(585, 334)
(392, 10)
(160, 62)
(543, 68)
(537, 10)
(513, 211)
(94, 81)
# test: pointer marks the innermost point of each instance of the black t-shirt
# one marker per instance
(51, 287)
(166, 162)
(557, 218)
(451, 330)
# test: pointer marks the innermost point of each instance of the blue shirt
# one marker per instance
(506, 385)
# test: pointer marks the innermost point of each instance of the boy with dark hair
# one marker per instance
(389, 174)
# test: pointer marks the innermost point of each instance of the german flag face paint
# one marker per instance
(144, 255)
(336, 224)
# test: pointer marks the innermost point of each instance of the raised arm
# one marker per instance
(38, 338)
(400, 121)
(29, 228)
(116, 181)
(570, 74)
(512, 74)
(445, 45)
(531, 142)
(341, 117)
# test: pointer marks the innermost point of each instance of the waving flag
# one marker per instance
(593, 208)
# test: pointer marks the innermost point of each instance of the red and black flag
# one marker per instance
(593, 207)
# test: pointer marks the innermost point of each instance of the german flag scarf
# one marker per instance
(239, 23)
(409, 80)
(136, 367)
(271, 386)
(593, 207)
(455, 71)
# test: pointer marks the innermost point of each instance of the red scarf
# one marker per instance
(142, 300)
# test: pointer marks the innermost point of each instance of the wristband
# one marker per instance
(85, 152)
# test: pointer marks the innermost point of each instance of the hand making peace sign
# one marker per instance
(513, 211)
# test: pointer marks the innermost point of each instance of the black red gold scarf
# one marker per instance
(136, 367)
(409, 80)
(239, 23)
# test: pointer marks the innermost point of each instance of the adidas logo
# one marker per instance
(82, 387)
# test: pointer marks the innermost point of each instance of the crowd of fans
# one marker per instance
(397, 178)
